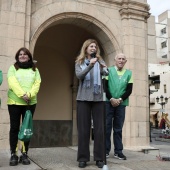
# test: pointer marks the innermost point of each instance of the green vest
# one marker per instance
(117, 84)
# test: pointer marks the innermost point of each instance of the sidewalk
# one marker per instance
(64, 158)
(4, 163)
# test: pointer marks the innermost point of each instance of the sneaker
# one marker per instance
(13, 160)
(100, 164)
(82, 164)
(24, 159)
(107, 155)
(120, 156)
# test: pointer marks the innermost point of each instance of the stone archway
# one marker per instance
(55, 45)
(98, 29)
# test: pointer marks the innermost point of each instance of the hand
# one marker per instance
(114, 102)
(105, 71)
(26, 98)
(93, 61)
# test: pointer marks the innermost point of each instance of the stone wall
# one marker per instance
(12, 37)
(119, 26)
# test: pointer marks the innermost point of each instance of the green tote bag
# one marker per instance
(26, 130)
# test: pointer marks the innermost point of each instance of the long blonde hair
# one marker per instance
(83, 55)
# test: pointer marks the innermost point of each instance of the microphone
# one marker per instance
(93, 55)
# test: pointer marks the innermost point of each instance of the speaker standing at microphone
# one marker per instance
(89, 69)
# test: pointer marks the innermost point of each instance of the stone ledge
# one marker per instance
(139, 148)
(162, 139)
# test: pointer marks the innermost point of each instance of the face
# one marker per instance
(23, 57)
(120, 61)
(91, 49)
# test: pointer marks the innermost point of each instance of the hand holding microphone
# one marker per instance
(93, 58)
(105, 69)
(93, 55)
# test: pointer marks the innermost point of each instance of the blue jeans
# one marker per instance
(115, 117)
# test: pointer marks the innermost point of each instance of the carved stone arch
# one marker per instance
(107, 39)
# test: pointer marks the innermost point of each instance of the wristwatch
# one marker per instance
(120, 99)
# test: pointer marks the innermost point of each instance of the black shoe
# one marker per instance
(13, 160)
(82, 164)
(100, 164)
(120, 156)
(24, 159)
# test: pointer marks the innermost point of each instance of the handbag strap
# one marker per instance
(28, 106)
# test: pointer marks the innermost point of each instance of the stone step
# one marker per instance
(162, 139)
(151, 151)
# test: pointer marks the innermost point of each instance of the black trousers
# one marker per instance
(86, 110)
(15, 113)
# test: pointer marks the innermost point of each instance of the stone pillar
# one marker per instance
(12, 37)
(134, 44)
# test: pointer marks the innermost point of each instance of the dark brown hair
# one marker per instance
(26, 51)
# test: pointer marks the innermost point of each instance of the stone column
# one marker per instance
(134, 44)
(12, 37)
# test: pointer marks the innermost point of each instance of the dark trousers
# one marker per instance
(15, 113)
(115, 117)
(86, 110)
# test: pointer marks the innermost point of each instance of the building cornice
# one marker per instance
(134, 10)
(103, 1)
(129, 9)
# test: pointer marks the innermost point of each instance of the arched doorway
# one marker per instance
(55, 49)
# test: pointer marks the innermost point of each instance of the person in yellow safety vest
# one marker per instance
(24, 82)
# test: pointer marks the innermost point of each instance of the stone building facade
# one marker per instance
(54, 31)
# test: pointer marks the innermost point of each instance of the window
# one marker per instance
(164, 88)
(163, 44)
(163, 31)
(164, 56)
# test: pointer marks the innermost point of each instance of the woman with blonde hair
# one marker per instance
(89, 68)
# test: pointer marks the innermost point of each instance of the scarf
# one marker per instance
(25, 65)
(96, 75)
